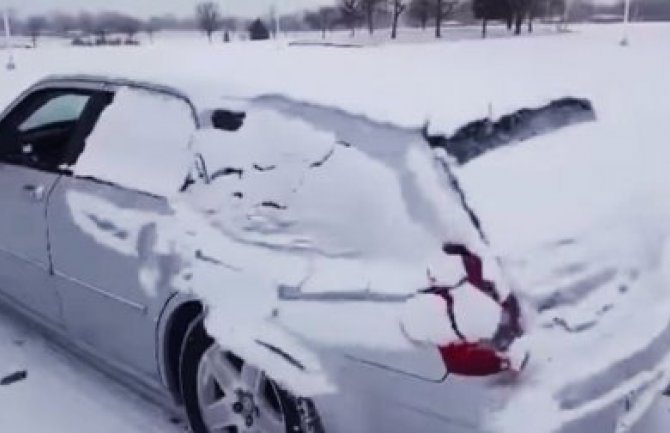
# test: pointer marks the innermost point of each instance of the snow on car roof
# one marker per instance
(395, 84)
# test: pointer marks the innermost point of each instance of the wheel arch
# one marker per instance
(180, 312)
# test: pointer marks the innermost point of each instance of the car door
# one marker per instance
(35, 134)
(104, 220)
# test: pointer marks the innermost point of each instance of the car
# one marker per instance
(78, 158)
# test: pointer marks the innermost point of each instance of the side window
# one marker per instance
(42, 129)
(141, 142)
(60, 109)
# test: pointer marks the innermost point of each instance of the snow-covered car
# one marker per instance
(93, 174)
(264, 264)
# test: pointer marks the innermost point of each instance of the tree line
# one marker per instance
(371, 14)
(351, 15)
(103, 24)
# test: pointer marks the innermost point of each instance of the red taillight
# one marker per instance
(465, 358)
(473, 359)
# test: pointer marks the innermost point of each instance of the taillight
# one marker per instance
(473, 359)
(466, 358)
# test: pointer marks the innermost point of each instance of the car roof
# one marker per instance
(100, 82)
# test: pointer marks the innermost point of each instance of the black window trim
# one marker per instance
(16, 113)
(101, 84)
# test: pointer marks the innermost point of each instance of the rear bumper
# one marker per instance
(371, 400)
(622, 407)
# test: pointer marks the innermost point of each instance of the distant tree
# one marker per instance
(488, 10)
(207, 16)
(292, 22)
(420, 11)
(521, 10)
(270, 21)
(127, 25)
(229, 25)
(258, 31)
(582, 10)
(151, 26)
(63, 24)
(35, 25)
(322, 19)
(167, 22)
(398, 7)
(513, 12)
(86, 23)
(442, 10)
(556, 7)
(103, 24)
(350, 11)
(559, 9)
(370, 9)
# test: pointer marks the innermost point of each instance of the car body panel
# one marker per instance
(104, 302)
(24, 258)
(395, 402)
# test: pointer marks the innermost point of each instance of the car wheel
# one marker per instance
(224, 394)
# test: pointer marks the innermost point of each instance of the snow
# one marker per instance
(89, 401)
(372, 90)
(582, 224)
(289, 205)
(579, 216)
(301, 210)
(63, 394)
(118, 154)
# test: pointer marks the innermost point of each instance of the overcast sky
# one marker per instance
(146, 8)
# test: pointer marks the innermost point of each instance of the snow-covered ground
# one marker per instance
(60, 393)
(585, 202)
(63, 394)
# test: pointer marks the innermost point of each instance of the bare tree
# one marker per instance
(127, 25)
(151, 26)
(370, 8)
(350, 14)
(208, 16)
(231, 24)
(522, 9)
(291, 22)
(273, 23)
(420, 11)
(86, 22)
(63, 23)
(398, 8)
(442, 10)
(35, 25)
(103, 24)
(323, 19)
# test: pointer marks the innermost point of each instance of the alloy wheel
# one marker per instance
(236, 397)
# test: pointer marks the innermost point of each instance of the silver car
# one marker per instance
(89, 297)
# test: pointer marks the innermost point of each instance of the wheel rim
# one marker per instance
(236, 397)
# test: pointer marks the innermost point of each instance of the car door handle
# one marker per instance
(36, 192)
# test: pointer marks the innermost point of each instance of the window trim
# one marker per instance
(14, 114)
(102, 84)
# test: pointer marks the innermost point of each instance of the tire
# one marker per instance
(268, 409)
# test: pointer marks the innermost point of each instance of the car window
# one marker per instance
(64, 108)
(141, 142)
(41, 130)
